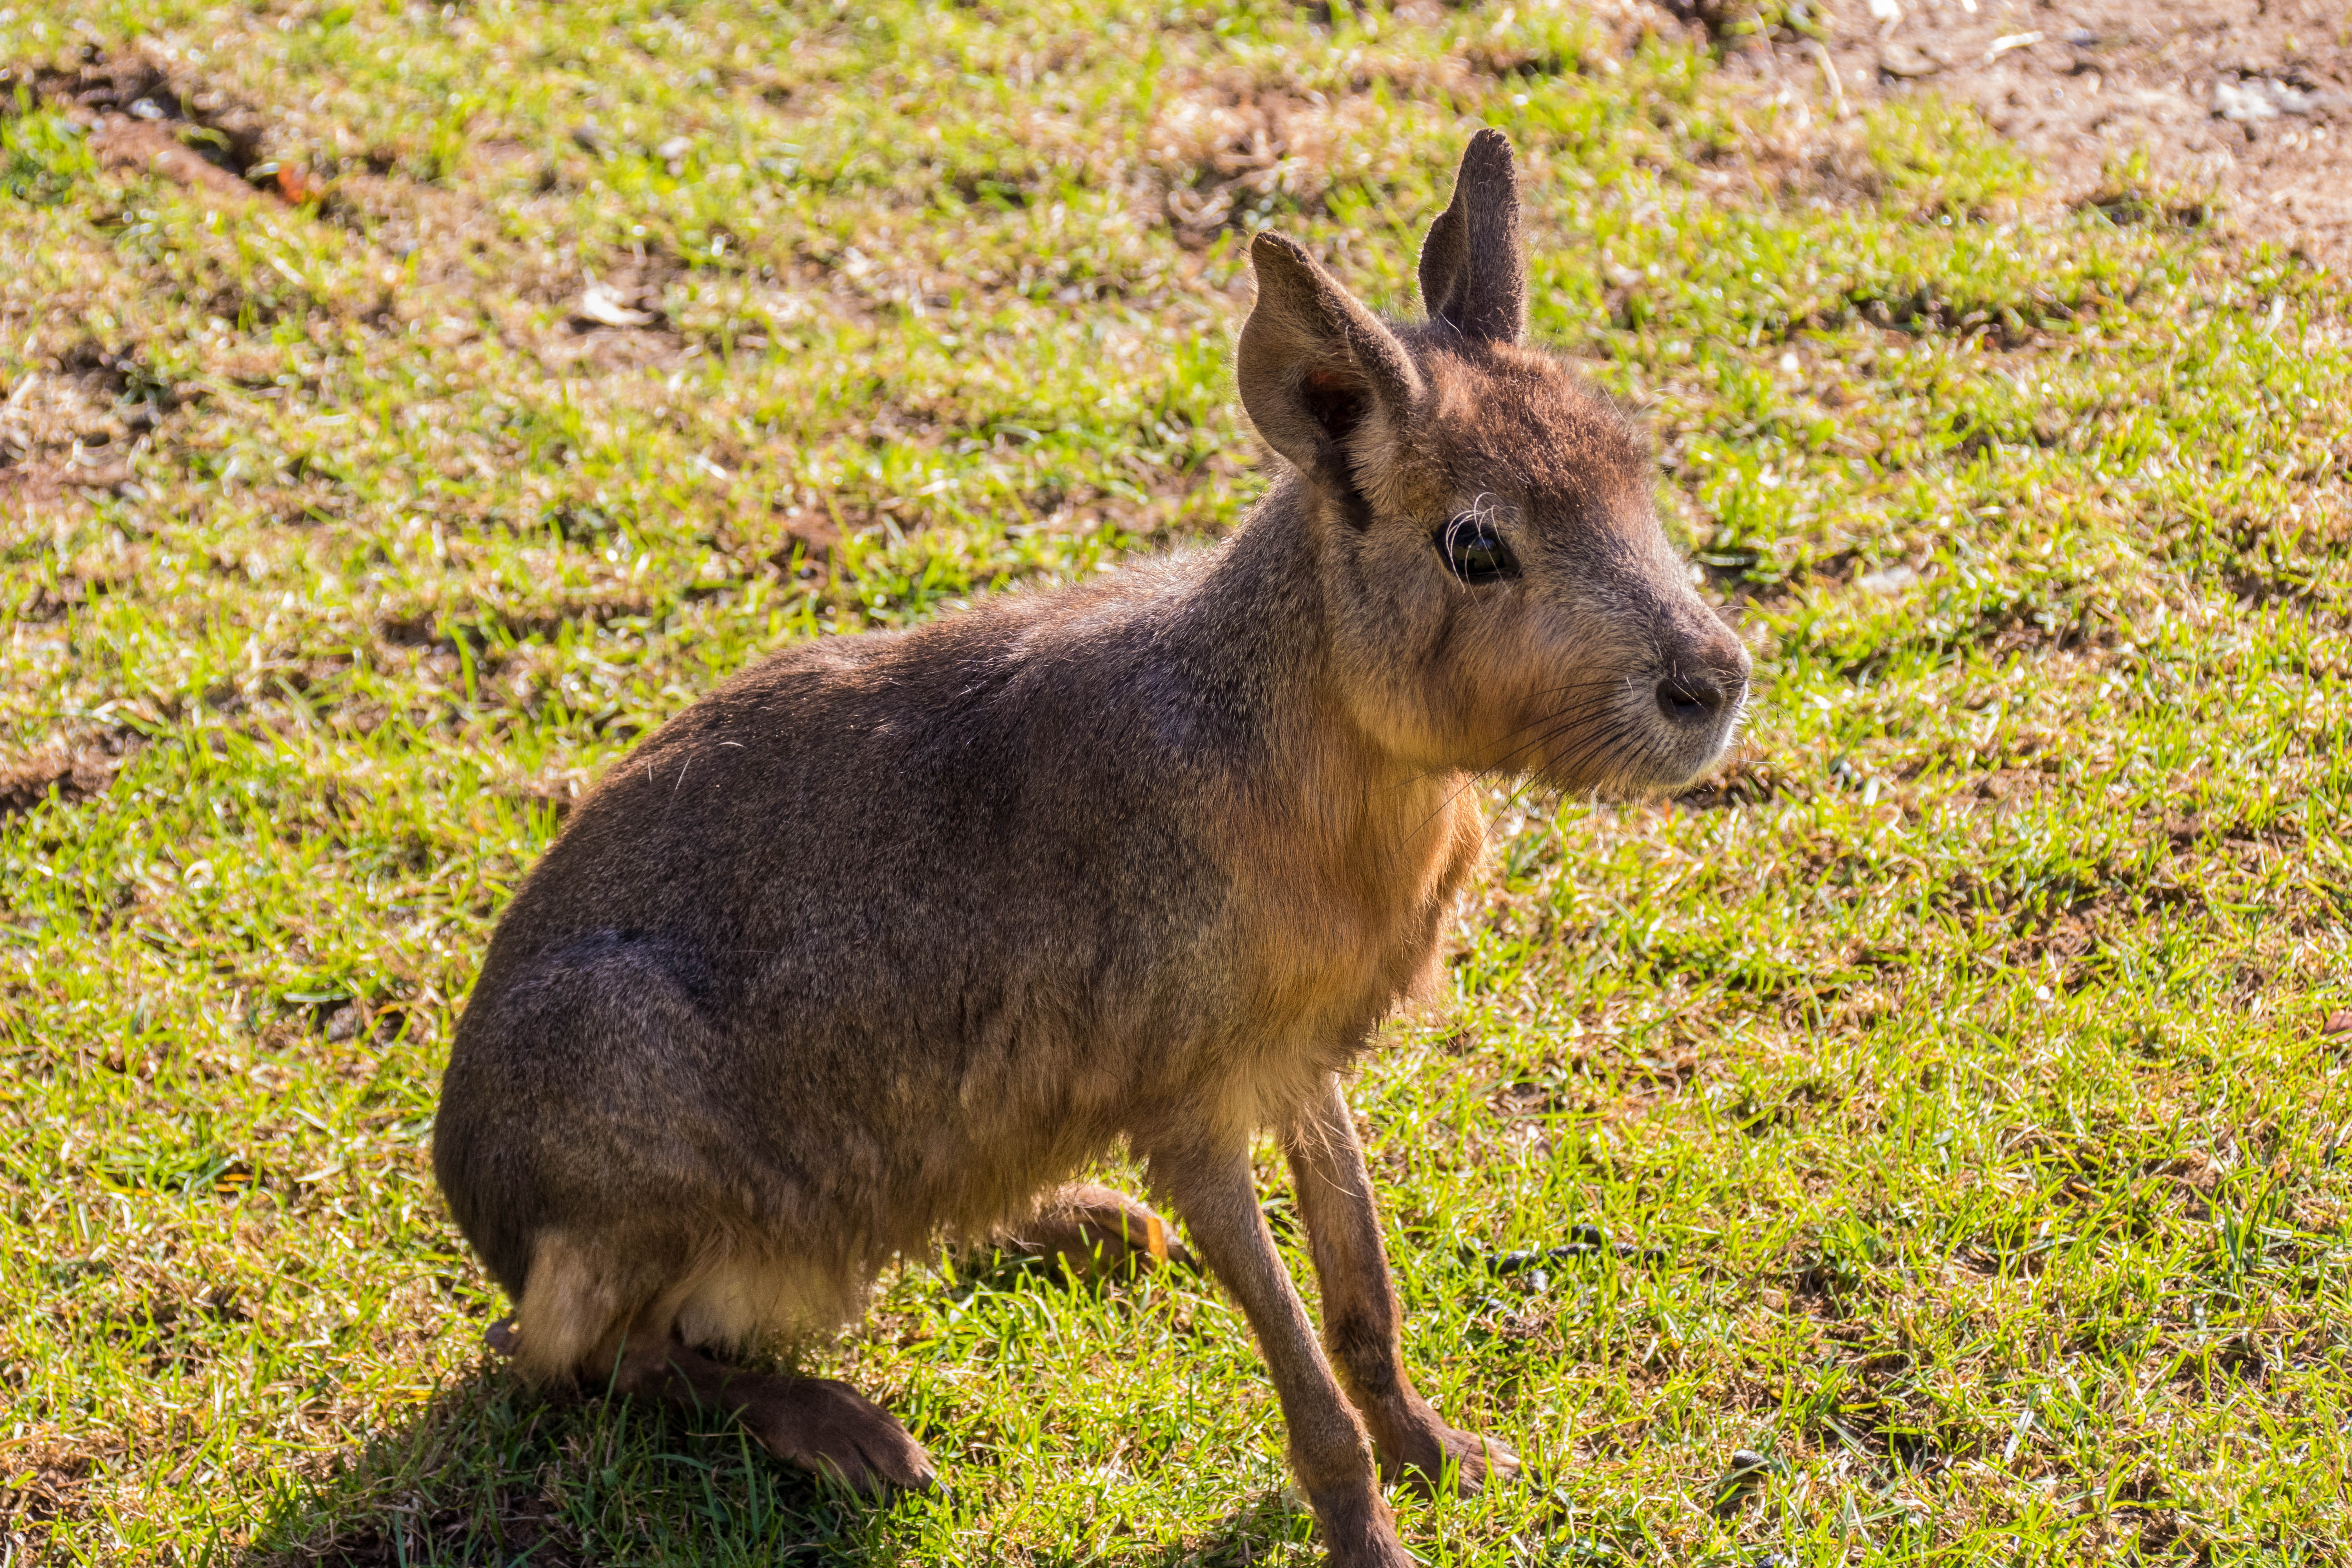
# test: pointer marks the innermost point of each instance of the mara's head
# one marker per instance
(1499, 591)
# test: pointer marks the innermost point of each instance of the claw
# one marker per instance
(1092, 1229)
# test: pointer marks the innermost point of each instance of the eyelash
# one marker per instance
(1473, 550)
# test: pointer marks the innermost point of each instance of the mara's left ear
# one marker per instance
(1473, 265)
(1314, 365)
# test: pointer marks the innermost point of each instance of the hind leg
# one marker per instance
(1090, 1229)
(813, 1422)
(576, 1325)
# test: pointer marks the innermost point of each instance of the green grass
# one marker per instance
(1959, 1069)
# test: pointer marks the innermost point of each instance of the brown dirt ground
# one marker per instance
(2245, 106)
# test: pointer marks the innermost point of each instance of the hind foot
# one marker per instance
(831, 1428)
(812, 1422)
(1091, 1230)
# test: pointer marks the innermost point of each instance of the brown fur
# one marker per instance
(889, 935)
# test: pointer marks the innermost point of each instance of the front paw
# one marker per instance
(1358, 1529)
(1429, 1452)
(1384, 1551)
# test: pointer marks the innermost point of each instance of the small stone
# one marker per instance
(1908, 61)
(601, 304)
(2258, 99)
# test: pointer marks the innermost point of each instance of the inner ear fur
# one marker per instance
(1313, 364)
(1473, 265)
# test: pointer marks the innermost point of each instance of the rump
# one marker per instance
(591, 1155)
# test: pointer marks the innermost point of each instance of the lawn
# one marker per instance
(1945, 1110)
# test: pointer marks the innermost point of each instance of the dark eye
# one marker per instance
(1473, 551)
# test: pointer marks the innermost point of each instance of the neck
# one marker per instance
(1341, 858)
(1257, 640)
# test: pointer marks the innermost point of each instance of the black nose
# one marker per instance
(1691, 698)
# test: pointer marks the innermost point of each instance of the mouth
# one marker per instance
(1650, 742)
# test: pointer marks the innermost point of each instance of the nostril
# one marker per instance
(1689, 698)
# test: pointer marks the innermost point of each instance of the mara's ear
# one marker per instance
(1474, 266)
(1313, 364)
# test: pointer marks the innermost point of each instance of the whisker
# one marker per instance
(1589, 704)
(1602, 744)
(1558, 723)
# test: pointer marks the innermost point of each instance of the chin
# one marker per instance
(1641, 772)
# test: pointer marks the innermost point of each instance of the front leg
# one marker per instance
(1212, 1190)
(1360, 1317)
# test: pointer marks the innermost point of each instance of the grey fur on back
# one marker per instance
(868, 880)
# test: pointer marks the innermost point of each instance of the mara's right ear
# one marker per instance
(1474, 266)
(1313, 364)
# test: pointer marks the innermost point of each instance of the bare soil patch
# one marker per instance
(141, 114)
(2243, 105)
(75, 771)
